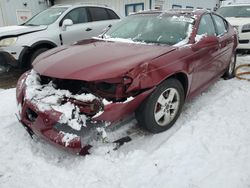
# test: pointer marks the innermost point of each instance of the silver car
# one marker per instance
(58, 25)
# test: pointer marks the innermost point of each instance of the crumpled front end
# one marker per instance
(71, 113)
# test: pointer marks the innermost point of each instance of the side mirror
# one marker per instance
(205, 42)
(66, 23)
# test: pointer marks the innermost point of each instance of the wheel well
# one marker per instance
(32, 49)
(183, 79)
(43, 45)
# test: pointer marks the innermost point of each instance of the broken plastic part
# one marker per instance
(89, 108)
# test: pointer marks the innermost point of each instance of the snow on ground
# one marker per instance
(209, 146)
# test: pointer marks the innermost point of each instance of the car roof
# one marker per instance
(191, 12)
(75, 5)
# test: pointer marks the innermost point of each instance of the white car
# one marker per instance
(238, 15)
(58, 25)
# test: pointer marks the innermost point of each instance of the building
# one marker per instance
(196, 4)
(122, 7)
(13, 12)
(125, 7)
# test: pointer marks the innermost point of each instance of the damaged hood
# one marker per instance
(96, 60)
(19, 30)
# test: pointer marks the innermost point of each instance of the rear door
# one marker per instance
(80, 28)
(226, 42)
(101, 19)
(205, 59)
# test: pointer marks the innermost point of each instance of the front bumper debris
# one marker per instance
(50, 123)
(46, 125)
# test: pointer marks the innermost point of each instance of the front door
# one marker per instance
(226, 43)
(80, 29)
(205, 61)
(87, 23)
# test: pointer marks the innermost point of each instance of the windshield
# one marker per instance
(160, 29)
(46, 17)
(235, 11)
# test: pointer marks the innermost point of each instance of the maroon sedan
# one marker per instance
(147, 64)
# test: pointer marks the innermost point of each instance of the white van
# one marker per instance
(238, 15)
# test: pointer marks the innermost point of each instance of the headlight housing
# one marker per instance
(246, 28)
(8, 41)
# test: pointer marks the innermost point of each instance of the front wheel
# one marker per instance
(230, 73)
(34, 55)
(160, 111)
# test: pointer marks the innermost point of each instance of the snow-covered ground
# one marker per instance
(209, 146)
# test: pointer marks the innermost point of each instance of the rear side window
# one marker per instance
(112, 14)
(98, 14)
(78, 15)
(206, 26)
(220, 24)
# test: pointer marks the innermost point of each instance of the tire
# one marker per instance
(150, 111)
(35, 54)
(230, 72)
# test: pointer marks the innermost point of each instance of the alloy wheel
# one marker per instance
(167, 106)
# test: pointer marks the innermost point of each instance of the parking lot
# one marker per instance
(210, 139)
(157, 94)
(9, 79)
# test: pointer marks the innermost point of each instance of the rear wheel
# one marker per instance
(160, 111)
(230, 73)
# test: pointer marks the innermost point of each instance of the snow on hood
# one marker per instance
(46, 97)
(108, 38)
(20, 30)
(96, 60)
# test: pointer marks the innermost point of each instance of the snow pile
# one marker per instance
(46, 97)
(71, 115)
(43, 96)
(68, 137)
(199, 37)
(182, 19)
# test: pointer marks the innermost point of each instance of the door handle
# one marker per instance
(88, 29)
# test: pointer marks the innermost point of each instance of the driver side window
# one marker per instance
(206, 26)
(78, 16)
(220, 24)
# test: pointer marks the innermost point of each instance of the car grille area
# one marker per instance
(243, 41)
